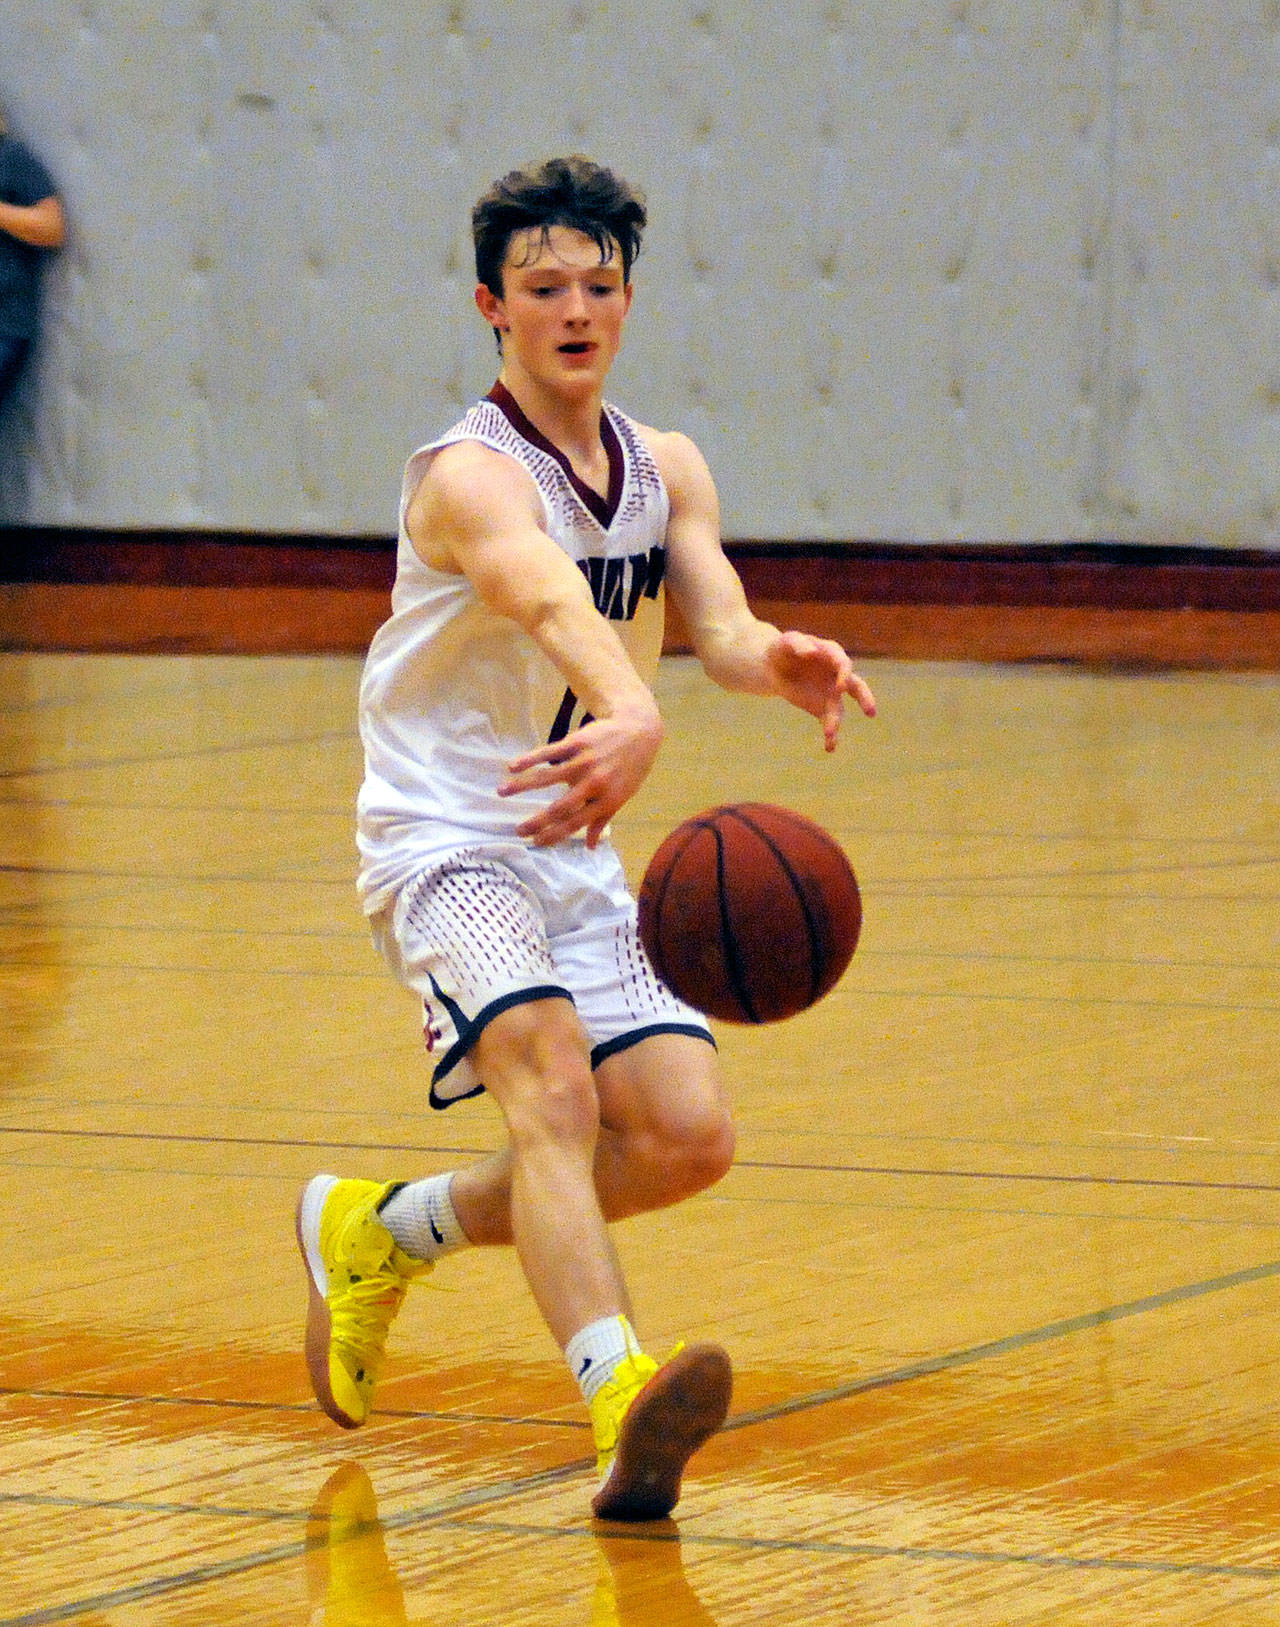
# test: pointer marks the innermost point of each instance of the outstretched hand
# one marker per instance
(603, 764)
(816, 674)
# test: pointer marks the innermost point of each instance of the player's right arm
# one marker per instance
(476, 512)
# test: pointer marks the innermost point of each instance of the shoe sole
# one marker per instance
(307, 1226)
(683, 1404)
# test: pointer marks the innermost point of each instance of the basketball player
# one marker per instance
(507, 716)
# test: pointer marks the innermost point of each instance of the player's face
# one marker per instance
(562, 311)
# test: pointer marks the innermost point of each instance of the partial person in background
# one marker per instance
(32, 224)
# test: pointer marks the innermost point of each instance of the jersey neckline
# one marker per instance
(602, 509)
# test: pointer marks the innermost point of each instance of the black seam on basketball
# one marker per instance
(732, 959)
(815, 943)
(660, 896)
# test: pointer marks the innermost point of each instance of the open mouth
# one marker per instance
(576, 348)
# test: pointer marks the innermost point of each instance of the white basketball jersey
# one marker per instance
(452, 693)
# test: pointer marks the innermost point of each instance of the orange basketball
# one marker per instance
(750, 912)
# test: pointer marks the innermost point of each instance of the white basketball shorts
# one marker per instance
(488, 926)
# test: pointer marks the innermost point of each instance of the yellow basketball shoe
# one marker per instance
(648, 1421)
(357, 1276)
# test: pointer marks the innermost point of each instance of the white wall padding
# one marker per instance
(939, 270)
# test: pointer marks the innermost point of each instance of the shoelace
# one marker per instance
(365, 1313)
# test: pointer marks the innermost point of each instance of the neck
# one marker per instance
(571, 422)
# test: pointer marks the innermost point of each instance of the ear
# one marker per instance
(491, 308)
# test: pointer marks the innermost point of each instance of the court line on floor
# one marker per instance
(1174, 896)
(175, 877)
(227, 748)
(58, 1133)
(219, 1570)
(65, 923)
(1179, 868)
(871, 991)
(1008, 1175)
(452, 1514)
(876, 1550)
(123, 967)
(448, 1508)
(1009, 1345)
(304, 1409)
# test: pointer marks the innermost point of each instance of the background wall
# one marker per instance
(940, 270)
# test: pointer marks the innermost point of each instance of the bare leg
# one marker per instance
(535, 1061)
(665, 1133)
(555, 1187)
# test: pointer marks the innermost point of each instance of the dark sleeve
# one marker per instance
(23, 178)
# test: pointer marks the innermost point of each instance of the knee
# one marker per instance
(691, 1150)
(711, 1149)
(535, 1062)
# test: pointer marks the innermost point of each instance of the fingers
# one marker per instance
(586, 803)
(850, 683)
(535, 769)
(820, 663)
(833, 713)
(831, 720)
(602, 764)
(530, 779)
(565, 816)
(819, 675)
(861, 692)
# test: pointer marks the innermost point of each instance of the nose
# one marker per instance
(576, 304)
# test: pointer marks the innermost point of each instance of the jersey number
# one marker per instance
(617, 587)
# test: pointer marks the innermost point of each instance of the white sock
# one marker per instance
(594, 1353)
(421, 1218)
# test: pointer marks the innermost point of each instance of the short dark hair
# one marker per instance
(571, 192)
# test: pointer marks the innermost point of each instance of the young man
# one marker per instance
(507, 716)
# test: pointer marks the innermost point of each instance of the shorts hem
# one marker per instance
(470, 1033)
(624, 1042)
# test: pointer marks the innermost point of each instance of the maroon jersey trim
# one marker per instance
(602, 509)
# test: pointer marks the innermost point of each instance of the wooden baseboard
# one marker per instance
(158, 619)
(193, 593)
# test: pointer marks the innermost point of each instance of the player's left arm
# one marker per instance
(736, 648)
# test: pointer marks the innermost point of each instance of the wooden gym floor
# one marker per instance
(999, 1263)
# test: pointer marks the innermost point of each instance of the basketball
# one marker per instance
(750, 912)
